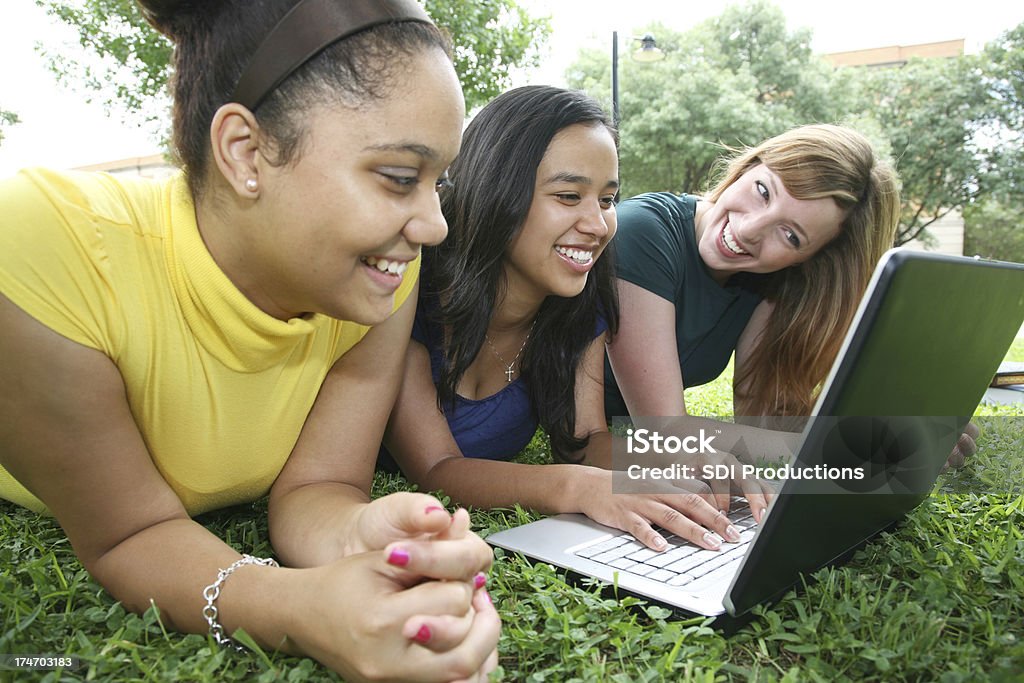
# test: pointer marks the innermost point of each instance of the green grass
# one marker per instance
(939, 599)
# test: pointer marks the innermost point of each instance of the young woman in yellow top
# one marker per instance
(174, 347)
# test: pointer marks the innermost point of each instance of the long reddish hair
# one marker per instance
(815, 301)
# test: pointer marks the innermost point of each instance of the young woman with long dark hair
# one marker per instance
(515, 310)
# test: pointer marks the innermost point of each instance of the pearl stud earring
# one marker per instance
(252, 185)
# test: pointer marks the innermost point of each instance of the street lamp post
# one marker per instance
(647, 52)
(615, 78)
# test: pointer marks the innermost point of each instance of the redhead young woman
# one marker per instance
(770, 264)
(172, 347)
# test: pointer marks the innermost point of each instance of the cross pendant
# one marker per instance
(508, 373)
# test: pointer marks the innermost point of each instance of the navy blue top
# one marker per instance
(656, 248)
(497, 427)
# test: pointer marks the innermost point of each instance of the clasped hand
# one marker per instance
(413, 606)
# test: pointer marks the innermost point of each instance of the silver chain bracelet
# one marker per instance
(212, 592)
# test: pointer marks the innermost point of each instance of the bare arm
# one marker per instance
(744, 349)
(319, 503)
(68, 435)
(643, 353)
(420, 440)
(645, 358)
(590, 417)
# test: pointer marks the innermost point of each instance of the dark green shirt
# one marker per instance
(656, 248)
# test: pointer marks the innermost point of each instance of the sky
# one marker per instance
(59, 129)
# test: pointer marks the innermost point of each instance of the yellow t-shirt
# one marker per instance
(219, 389)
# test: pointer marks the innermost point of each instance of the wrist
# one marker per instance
(255, 598)
(583, 484)
(211, 611)
(352, 535)
(316, 524)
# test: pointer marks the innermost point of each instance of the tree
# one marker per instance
(1003, 70)
(932, 111)
(7, 118)
(129, 62)
(670, 125)
(732, 80)
(956, 128)
(788, 78)
(992, 222)
(492, 39)
(992, 229)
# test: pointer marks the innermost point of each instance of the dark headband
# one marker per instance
(307, 28)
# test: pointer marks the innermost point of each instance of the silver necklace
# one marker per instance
(508, 366)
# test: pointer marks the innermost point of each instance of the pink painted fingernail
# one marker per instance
(433, 508)
(480, 580)
(399, 557)
(488, 596)
(423, 635)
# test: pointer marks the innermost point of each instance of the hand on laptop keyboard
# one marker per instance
(683, 562)
(683, 509)
(725, 476)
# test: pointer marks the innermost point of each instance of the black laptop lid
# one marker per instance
(928, 338)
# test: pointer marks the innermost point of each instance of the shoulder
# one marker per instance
(661, 218)
(61, 234)
(70, 197)
(656, 210)
(76, 222)
(655, 241)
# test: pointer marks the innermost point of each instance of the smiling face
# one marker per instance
(756, 226)
(337, 228)
(571, 218)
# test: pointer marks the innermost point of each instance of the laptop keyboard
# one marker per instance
(683, 563)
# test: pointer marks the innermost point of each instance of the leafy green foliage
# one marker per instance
(1003, 70)
(127, 63)
(930, 110)
(492, 38)
(992, 229)
(938, 599)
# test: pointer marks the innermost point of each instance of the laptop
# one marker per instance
(926, 341)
